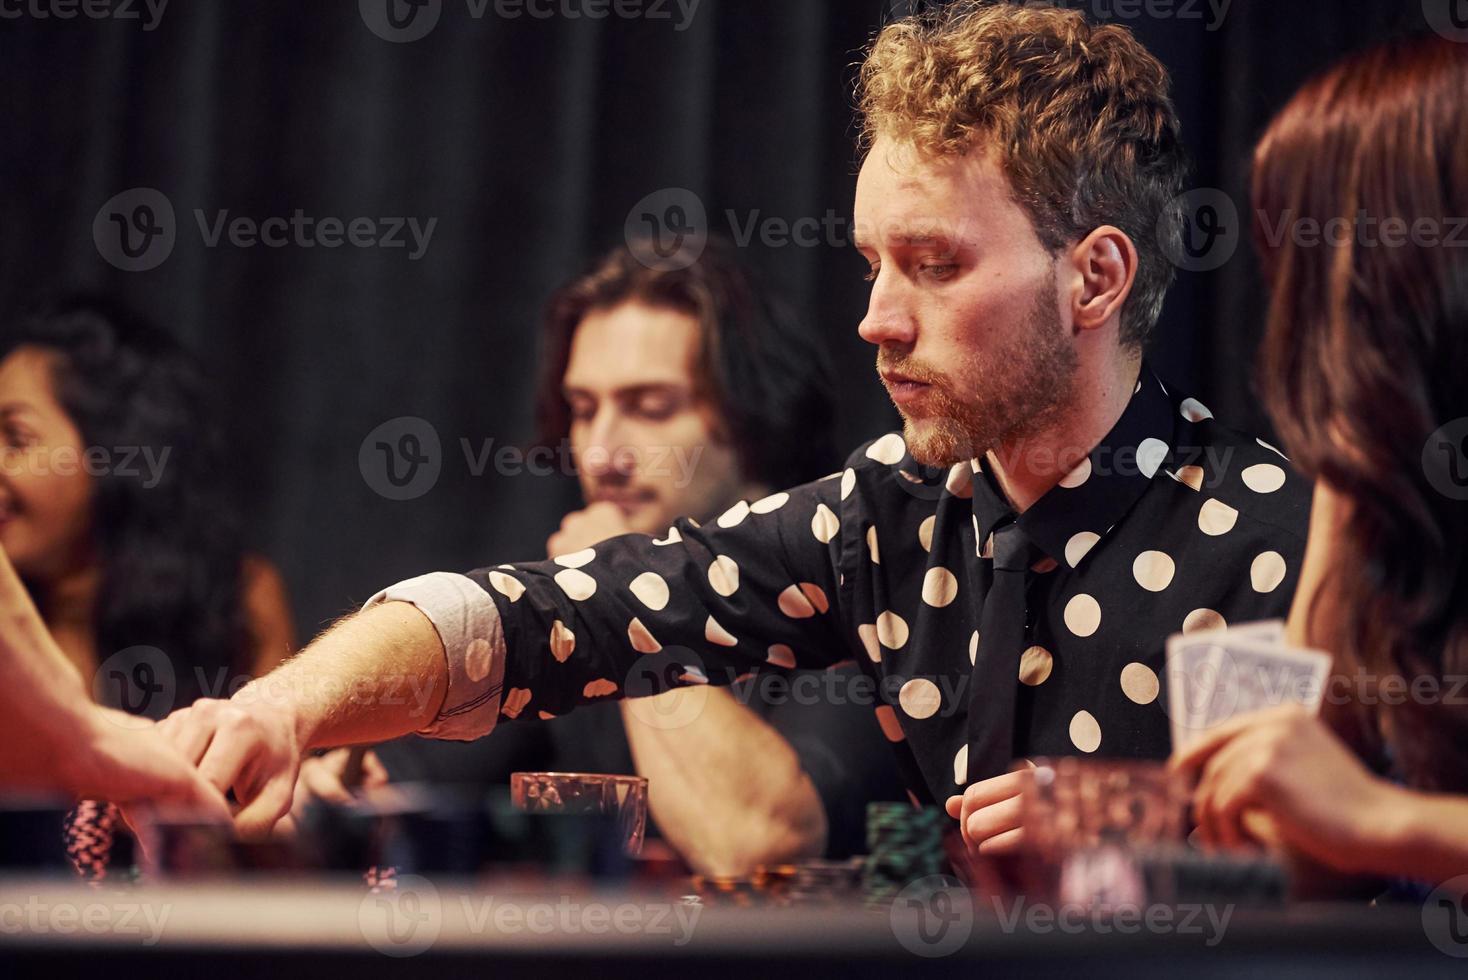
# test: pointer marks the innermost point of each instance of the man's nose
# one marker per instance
(606, 452)
(889, 318)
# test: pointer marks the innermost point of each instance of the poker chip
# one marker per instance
(827, 882)
(905, 844)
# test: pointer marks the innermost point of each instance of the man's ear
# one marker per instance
(1105, 267)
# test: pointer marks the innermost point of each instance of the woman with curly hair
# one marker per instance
(115, 506)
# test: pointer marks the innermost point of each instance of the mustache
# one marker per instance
(909, 368)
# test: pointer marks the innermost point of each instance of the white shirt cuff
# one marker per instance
(473, 639)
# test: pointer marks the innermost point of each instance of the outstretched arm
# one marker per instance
(699, 606)
(54, 739)
(372, 677)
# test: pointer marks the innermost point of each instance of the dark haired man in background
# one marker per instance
(643, 360)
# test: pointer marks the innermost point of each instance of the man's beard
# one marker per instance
(1011, 394)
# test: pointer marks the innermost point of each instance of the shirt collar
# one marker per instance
(1083, 508)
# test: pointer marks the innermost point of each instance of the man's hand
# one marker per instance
(253, 752)
(1284, 764)
(988, 813)
(581, 529)
(126, 760)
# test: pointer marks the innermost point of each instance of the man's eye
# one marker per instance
(940, 271)
(582, 412)
(656, 407)
(16, 438)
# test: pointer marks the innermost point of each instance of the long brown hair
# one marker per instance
(764, 370)
(1360, 190)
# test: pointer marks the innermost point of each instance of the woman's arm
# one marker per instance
(1317, 799)
(1421, 836)
(54, 739)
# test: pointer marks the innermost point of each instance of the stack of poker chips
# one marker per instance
(905, 844)
(90, 831)
(827, 882)
(781, 885)
(736, 890)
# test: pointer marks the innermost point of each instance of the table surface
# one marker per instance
(228, 929)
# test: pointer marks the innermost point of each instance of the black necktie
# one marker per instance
(996, 668)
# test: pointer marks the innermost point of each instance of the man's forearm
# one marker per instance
(725, 788)
(374, 676)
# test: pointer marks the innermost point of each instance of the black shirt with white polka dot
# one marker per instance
(1173, 523)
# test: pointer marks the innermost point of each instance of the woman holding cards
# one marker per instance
(1360, 201)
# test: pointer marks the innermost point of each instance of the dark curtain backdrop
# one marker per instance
(529, 140)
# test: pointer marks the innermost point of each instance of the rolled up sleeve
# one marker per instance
(468, 624)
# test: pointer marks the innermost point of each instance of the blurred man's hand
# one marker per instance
(583, 528)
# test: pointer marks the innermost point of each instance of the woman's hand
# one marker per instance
(333, 776)
(126, 760)
(1285, 765)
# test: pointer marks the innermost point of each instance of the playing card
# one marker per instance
(1268, 631)
(1213, 677)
